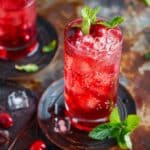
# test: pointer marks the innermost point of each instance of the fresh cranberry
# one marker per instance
(38, 145)
(97, 30)
(6, 120)
(74, 33)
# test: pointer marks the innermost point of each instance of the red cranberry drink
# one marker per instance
(17, 28)
(91, 69)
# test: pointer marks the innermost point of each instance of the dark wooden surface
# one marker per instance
(135, 69)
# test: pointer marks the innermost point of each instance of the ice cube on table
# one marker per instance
(18, 100)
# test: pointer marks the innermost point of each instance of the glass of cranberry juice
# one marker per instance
(17, 28)
(91, 72)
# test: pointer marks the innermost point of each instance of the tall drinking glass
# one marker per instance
(91, 72)
(17, 28)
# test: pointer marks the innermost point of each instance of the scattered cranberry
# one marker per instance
(4, 137)
(38, 145)
(6, 120)
(97, 30)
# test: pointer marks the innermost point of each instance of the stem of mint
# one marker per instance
(112, 23)
(88, 17)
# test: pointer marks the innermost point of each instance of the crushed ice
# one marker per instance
(18, 100)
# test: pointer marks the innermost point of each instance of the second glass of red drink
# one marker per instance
(17, 28)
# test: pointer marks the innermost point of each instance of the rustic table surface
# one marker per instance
(135, 75)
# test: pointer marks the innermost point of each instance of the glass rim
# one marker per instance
(30, 3)
(78, 20)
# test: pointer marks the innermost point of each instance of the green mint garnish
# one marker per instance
(50, 47)
(27, 68)
(147, 55)
(114, 22)
(114, 116)
(116, 129)
(147, 2)
(89, 17)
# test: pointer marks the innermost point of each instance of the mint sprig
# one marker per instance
(112, 23)
(116, 129)
(27, 68)
(50, 47)
(89, 17)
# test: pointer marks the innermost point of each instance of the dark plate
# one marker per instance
(46, 33)
(51, 108)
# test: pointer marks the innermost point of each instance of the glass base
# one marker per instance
(57, 127)
(84, 124)
(18, 54)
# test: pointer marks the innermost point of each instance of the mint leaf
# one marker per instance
(27, 68)
(88, 17)
(86, 26)
(128, 141)
(131, 122)
(50, 47)
(124, 140)
(121, 142)
(114, 116)
(117, 129)
(147, 55)
(121, 139)
(101, 132)
(104, 131)
(114, 22)
(147, 2)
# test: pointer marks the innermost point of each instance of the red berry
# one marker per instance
(78, 33)
(98, 30)
(38, 145)
(6, 120)
(74, 33)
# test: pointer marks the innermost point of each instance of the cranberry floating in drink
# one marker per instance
(92, 53)
(17, 28)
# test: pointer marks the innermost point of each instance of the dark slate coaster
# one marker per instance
(51, 107)
(46, 33)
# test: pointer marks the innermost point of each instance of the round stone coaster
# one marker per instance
(51, 113)
(46, 34)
